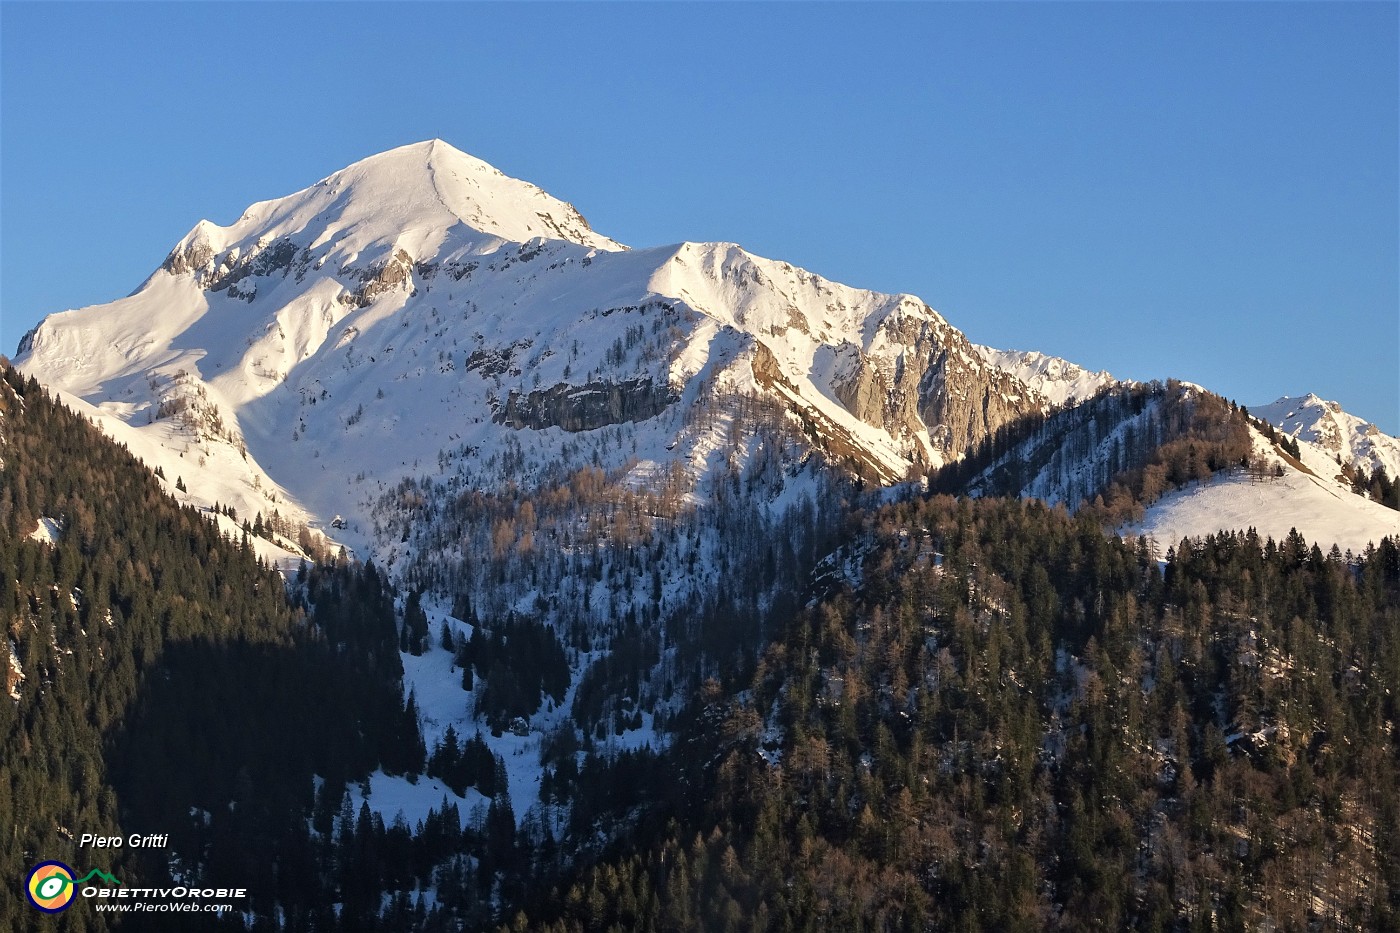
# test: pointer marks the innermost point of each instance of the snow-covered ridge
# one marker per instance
(419, 306)
(1340, 436)
(1059, 381)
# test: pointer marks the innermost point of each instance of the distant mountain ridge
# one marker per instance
(318, 328)
(421, 308)
(1341, 435)
(1059, 381)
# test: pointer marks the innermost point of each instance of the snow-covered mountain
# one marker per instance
(420, 309)
(420, 313)
(1341, 437)
(448, 370)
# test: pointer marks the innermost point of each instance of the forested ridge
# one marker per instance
(165, 680)
(1013, 722)
(1116, 453)
(974, 715)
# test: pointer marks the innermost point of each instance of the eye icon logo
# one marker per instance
(50, 887)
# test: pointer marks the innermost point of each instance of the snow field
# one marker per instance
(1323, 511)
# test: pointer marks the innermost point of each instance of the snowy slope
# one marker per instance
(1333, 432)
(225, 477)
(1323, 511)
(419, 312)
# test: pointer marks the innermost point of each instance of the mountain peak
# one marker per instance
(424, 179)
(426, 198)
(401, 161)
(1342, 435)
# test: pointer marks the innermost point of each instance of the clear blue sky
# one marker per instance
(1206, 191)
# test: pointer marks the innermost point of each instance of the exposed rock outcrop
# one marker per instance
(189, 257)
(395, 272)
(215, 272)
(586, 407)
(963, 401)
(932, 379)
(825, 435)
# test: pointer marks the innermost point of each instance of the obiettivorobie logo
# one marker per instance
(51, 886)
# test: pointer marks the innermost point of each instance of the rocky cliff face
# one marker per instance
(885, 396)
(930, 388)
(965, 401)
(824, 433)
(189, 257)
(586, 407)
(395, 272)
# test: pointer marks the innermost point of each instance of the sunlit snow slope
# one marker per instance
(1322, 510)
(420, 310)
(1340, 436)
(1059, 381)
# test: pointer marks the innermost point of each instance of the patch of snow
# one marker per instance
(393, 795)
(17, 671)
(48, 531)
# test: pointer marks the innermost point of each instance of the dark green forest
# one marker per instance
(979, 714)
(1015, 722)
(168, 681)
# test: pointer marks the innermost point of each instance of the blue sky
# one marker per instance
(1206, 191)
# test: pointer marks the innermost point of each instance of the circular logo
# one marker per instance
(50, 887)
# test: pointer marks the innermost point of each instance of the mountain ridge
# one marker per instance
(424, 262)
(420, 306)
(1333, 430)
(593, 489)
